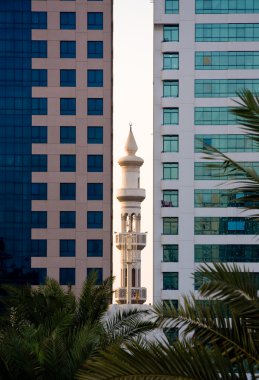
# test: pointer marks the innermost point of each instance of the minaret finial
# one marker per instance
(130, 125)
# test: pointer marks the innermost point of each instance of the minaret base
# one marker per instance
(138, 295)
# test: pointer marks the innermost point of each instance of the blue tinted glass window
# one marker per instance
(94, 162)
(94, 248)
(224, 60)
(171, 6)
(95, 78)
(171, 116)
(67, 20)
(214, 116)
(67, 219)
(39, 134)
(67, 162)
(226, 32)
(67, 49)
(94, 20)
(39, 248)
(95, 106)
(67, 78)
(39, 163)
(39, 20)
(67, 276)
(67, 191)
(39, 77)
(67, 135)
(67, 248)
(94, 219)
(94, 191)
(94, 135)
(39, 219)
(95, 49)
(68, 106)
(39, 276)
(99, 273)
(39, 106)
(170, 61)
(226, 6)
(171, 33)
(39, 191)
(39, 49)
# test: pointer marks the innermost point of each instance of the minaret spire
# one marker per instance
(130, 241)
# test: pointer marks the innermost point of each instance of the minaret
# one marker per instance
(130, 241)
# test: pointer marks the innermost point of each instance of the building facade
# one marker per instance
(56, 140)
(204, 52)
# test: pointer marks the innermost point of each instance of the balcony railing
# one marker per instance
(134, 241)
(138, 295)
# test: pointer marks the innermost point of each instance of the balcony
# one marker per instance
(138, 295)
(132, 241)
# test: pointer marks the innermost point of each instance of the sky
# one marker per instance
(133, 102)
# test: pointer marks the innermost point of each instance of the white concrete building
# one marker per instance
(204, 51)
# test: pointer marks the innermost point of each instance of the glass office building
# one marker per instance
(204, 52)
(56, 140)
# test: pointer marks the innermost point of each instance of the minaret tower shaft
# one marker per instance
(130, 241)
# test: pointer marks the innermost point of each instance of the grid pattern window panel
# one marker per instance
(39, 219)
(95, 135)
(94, 248)
(39, 77)
(170, 170)
(39, 248)
(225, 226)
(170, 198)
(226, 6)
(39, 191)
(170, 143)
(226, 32)
(95, 78)
(39, 49)
(67, 49)
(39, 106)
(170, 226)
(171, 88)
(95, 219)
(67, 248)
(68, 106)
(67, 276)
(67, 78)
(68, 191)
(98, 273)
(67, 135)
(241, 253)
(39, 134)
(95, 49)
(225, 60)
(202, 171)
(95, 106)
(67, 20)
(171, 33)
(170, 116)
(39, 276)
(170, 253)
(94, 20)
(95, 163)
(67, 162)
(214, 116)
(226, 143)
(39, 163)
(222, 198)
(224, 88)
(171, 61)
(171, 6)
(67, 219)
(170, 280)
(94, 191)
(39, 20)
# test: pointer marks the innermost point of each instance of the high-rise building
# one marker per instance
(204, 52)
(56, 140)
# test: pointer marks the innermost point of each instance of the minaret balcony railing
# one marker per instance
(138, 295)
(131, 241)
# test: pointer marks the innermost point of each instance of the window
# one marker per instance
(95, 163)
(172, 334)
(39, 49)
(39, 163)
(39, 106)
(171, 143)
(170, 170)
(171, 33)
(68, 191)
(171, 88)
(94, 135)
(95, 106)
(171, 61)
(170, 198)
(226, 143)
(67, 219)
(67, 20)
(94, 219)
(171, 6)
(68, 106)
(97, 271)
(67, 162)
(67, 135)
(236, 253)
(67, 78)
(39, 248)
(39, 191)
(39, 219)
(39, 20)
(94, 191)
(226, 32)
(225, 226)
(214, 116)
(67, 248)
(67, 276)
(226, 6)
(39, 134)
(95, 78)
(203, 171)
(94, 248)
(95, 21)
(170, 280)
(170, 226)
(67, 49)
(225, 60)
(39, 77)
(39, 276)
(221, 198)
(223, 88)
(170, 253)
(170, 116)
(95, 49)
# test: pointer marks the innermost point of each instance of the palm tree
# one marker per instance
(219, 336)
